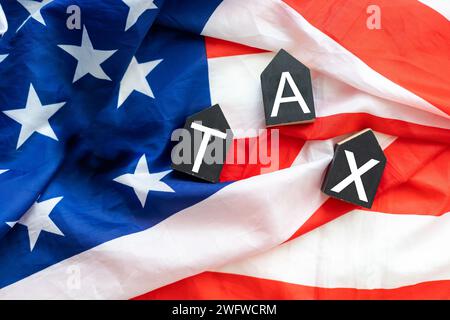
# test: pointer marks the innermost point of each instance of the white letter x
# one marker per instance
(355, 175)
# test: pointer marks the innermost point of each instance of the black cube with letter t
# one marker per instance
(287, 91)
(356, 169)
(204, 144)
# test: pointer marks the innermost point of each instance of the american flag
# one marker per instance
(90, 209)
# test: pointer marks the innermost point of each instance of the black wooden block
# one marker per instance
(287, 91)
(356, 169)
(204, 145)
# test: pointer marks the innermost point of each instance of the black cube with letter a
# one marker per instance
(287, 91)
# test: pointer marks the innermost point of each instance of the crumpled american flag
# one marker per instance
(89, 207)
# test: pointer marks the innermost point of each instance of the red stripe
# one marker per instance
(216, 48)
(343, 123)
(426, 191)
(212, 285)
(412, 48)
(293, 137)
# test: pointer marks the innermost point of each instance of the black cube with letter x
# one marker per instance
(204, 144)
(356, 169)
(287, 91)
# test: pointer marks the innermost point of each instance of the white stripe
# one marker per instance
(235, 85)
(272, 25)
(441, 6)
(243, 219)
(363, 250)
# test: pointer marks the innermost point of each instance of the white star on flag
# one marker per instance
(3, 22)
(34, 9)
(89, 59)
(137, 8)
(3, 171)
(37, 219)
(142, 181)
(135, 80)
(34, 117)
(3, 57)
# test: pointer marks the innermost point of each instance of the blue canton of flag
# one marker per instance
(85, 124)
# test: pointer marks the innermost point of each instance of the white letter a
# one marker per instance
(296, 97)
